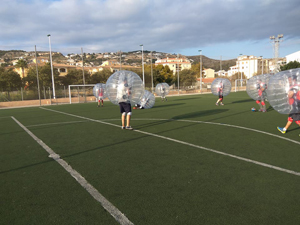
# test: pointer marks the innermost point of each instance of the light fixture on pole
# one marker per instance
(200, 70)
(83, 77)
(53, 86)
(143, 64)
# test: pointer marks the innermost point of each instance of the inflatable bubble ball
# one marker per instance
(257, 86)
(147, 101)
(124, 86)
(162, 89)
(99, 91)
(220, 86)
(284, 91)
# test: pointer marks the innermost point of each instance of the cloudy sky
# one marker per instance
(220, 28)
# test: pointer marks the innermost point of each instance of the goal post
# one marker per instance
(81, 93)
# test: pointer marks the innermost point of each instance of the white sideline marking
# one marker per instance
(116, 213)
(46, 124)
(192, 145)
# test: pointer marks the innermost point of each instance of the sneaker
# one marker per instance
(129, 128)
(222, 104)
(123, 128)
(217, 104)
(281, 130)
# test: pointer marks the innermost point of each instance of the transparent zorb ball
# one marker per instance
(99, 91)
(147, 101)
(221, 86)
(284, 91)
(124, 86)
(257, 86)
(162, 89)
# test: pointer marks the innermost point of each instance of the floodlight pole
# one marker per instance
(143, 64)
(120, 60)
(83, 77)
(262, 65)
(151, 74)
(178, 71)
(200, 70)
(53, 85)
(37, 74)
(240, 73)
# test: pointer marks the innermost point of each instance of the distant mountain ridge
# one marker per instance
(207, 62)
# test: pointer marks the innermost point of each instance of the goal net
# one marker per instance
(81, 93)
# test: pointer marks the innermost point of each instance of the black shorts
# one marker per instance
(295, 116)
(125, 107)
(220, 96)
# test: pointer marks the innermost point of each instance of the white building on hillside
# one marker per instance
(175, 63)
(249, 66)
(293, 57)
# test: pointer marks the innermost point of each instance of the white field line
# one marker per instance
(46, 124)
(192, 145)
(118, 215)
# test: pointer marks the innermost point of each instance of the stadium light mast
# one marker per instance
(53, 86)
(200, 70)
(239, 70)
(151, 74)
(143, 64)
(262, 65)
(178, 71)
(275, 41)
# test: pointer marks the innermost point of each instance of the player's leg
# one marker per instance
(288, 124)
(259, 103)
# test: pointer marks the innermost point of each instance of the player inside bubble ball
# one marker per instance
(262, 95)
(124, 95)
(294, 103)
(142, 104)
(163, 93)
(100, 96)
(220, 93)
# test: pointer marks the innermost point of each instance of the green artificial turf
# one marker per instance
(165, 174)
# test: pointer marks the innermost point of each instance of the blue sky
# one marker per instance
(220, 28)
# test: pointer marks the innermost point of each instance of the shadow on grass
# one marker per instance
(200, 114)
(242, 101)
(184, 99)
(167, 105)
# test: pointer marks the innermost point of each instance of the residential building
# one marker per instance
(209, 73)
(175, 64)
(293, 57)
(250, 66)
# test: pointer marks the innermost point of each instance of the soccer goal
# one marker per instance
(81, 93)
(240, 84)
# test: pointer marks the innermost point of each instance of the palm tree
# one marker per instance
(22, 64)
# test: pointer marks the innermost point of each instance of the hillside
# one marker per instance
(213, 63)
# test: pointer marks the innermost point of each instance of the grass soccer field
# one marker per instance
(187, 161)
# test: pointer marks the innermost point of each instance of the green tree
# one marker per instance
(9, 80)
(186, 78)
(45, 76)
(21, 64)
(101, 76)
(290, 65)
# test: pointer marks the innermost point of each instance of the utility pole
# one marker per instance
(200, 70)
(275, 41)
(53, 85)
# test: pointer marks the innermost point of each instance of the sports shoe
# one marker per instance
(281, 130)
(123, 128)
(129, 128)
(217, 104)
(222, 104)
